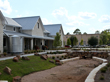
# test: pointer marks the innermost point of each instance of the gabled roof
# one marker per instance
(27, 23)
(53, 28)
(2, 18)
(11, 22)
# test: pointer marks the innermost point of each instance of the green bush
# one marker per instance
(101, 77)
(108, 65)
(53, 57)
(57, 56)
(4, 53)
(60, 58)
(103, 70)
(0, 55)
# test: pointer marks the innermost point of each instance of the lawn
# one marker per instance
(24, 67)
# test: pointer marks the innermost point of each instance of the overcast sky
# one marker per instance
(87, 15)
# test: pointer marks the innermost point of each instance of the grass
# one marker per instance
(24, 67)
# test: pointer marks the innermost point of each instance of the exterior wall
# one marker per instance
(27, 32)
(1, 36)
(10, 28)
(62, 36)
(38, 31)
(85, 38)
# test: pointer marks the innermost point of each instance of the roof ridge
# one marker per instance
(52, 24)
(26, 17)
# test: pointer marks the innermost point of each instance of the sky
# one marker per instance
(86, 15)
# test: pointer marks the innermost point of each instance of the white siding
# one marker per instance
(1, 36)
(27, 32)
(38, 31)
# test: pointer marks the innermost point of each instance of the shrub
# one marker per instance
(108, 65)
(54, 52)
(47, 52)
(4, 53)
(60, 58)
(103, 70)
(0, 55)
(101, 77)
(64, 57)
(57, 56)
(29, 51)
(53, 57)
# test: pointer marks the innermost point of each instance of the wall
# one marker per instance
(38, 31)
(27, 32)
(1, 36)
(10, 28)
(85, 38)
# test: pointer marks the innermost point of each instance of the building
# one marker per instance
(85, 38)
(25, 33)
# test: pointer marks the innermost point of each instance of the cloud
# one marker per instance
(18, 16)
(5, 6)
(86, 15)
(70, 21)
(106, 27)
(45, 21)
(105, 19)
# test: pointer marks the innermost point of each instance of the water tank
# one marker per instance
(15, 44)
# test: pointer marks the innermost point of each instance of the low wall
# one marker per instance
(67, 60)
(92, 74)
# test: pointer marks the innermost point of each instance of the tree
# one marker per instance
(100, 42)
(97, 32)
(93, 41)
(77, 31)
(57, 41)
(84, 33)
(68, 41)
(71, 39)
(75, 41)
(68, 33)
(81, 43)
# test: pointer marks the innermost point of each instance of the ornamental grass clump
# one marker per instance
(101, 77)
(53, 57)
(104, 69)
(5, 54)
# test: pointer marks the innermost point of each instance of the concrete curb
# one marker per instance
(92, 74)
(67, 60)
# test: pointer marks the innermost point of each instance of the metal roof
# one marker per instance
(10, 33)
(53, 28)
(11, 22)
(27, 23)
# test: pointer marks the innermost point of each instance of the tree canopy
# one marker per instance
(84, 33)
(81, 43)
(68, 41)
(77, 31)
(57, 41)
(73, 40)
(68, 33)
(97, 32)
(93, 41)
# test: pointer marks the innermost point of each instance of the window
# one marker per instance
(4, 41)
(14, 28)
(38, 25)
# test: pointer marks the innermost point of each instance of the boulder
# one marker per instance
(57, 60)
(51, 61)
(15, 59)
(18, 56)
(45, 57)
(0, 73)
(36, 54)
(58, 63)
(25, 58)
(17, 79)
(7, 70)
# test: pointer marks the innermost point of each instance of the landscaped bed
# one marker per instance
(73, 71)
(24, 67)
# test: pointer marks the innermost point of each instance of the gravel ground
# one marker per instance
(74, 71)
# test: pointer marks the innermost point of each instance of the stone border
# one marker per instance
(3, 81)
(67, 60)
(92, 74)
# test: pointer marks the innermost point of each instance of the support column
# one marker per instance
(32, 44)
(43, 41)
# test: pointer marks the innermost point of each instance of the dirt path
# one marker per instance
(74, 71)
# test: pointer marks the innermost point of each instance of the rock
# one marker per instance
(15, 59)
(17, 79)
(18, 56)
(57, 60)
(58, 63)
(36, 54)
(51, 61)
(7, 70)
(45, 57)
(0, 73)
(25, 58)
